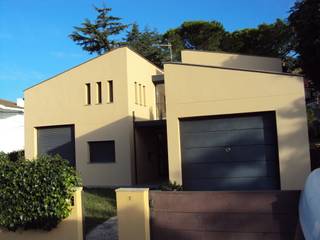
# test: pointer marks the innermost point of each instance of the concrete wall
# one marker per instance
(139, 72)
(61, 100)
(12, 131)
(69, 229)
(231, 60)
(133, 213)
(205, 91)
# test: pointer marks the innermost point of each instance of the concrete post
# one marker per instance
(133, 213)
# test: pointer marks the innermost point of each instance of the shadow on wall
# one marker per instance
(66, 230)
(118, 173)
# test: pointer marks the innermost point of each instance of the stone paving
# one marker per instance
(105, 231)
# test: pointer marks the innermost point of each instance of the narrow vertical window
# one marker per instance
(88, 94)
(99, 94)
(135, 93)
(110, 91)
(144, 96)
(140, 95)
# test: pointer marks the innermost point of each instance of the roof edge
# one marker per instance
(89, 60)
(235, 69)
(230, 53)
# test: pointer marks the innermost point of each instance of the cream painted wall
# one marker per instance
(61, 100)
(204, 91)
(230, 60)
(140, 70)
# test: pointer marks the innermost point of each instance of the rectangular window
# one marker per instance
(140, 95)
(144, 96)
(88, 94)
(135, 92)
(102, 151)
(99, 93)
(110, 91)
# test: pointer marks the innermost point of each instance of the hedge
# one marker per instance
(35, 194)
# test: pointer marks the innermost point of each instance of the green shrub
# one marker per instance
(16, 155)
(35, 194)
(171, 186)
(4, 157)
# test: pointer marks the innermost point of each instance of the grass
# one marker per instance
(99, 206)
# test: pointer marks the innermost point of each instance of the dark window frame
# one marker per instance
(91, 152)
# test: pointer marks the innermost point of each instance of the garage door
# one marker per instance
(234, 152)
(57, 140)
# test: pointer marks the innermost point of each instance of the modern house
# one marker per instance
(11, 125)
(215, 121)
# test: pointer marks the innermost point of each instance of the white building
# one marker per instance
(11, 125)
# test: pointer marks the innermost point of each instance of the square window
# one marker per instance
(102, 151)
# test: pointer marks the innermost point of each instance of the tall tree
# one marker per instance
(147, 43)
(272, 40)
(97, 36)
(200, 35)
(305, 21)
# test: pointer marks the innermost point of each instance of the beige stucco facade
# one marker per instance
(133, 212)
(61, 100)
(204, 84)
(193, 90)
(231, 60)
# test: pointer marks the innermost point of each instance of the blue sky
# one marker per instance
(34, 43)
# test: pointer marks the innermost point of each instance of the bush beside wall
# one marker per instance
(35, 194)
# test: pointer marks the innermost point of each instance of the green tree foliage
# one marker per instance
(200, 35)
(305, 21)
(147, 43)
(97, 36)
(272, 40)
(35, 194)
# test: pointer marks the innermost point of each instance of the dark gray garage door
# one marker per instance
(57, 140)
(233, 152)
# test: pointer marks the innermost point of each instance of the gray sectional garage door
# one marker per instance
(231, 152)
(57, 140)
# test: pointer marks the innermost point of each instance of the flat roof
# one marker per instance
(234, 69)
(230, 53)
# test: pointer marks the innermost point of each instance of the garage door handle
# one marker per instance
(227, 149)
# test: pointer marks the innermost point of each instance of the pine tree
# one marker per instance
(96, 37)
(147, 43)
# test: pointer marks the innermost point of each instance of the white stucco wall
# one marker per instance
(11, 131)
